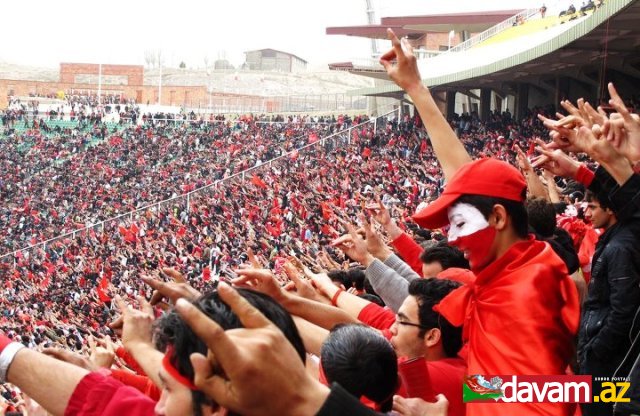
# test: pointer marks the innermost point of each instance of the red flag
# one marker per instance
(327, 212)
(258, 182)
(102, 290)
(206, 274)
(45, 282)
(532, 148)
(130, 237)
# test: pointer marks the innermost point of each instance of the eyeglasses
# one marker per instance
(399, 321)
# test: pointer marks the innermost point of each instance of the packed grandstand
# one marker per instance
(112, 209)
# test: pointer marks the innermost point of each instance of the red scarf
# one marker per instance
(522, 305)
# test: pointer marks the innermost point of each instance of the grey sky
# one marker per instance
(45, 32)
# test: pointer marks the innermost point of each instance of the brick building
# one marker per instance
(126, 81)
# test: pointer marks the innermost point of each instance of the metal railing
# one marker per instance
(252, 102)
(494, 30)
(185, 199)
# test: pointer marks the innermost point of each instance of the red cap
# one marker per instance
(486, 177)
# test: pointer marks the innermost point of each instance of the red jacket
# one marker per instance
(99, 395)
(520, 317)
(410, 252)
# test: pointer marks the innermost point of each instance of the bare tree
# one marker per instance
(159, 57)
(153, 58)
(150, 58)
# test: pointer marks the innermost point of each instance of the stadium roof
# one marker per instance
(417, 26)
(578, 49)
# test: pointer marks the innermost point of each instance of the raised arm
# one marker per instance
(137, 337)
(325, 316)
(448, 149)
(48, 381)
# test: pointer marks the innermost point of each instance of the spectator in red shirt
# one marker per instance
(420, 332)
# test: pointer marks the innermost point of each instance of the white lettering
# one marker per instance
(555, 393)
(524, 394)
(540, 395)
(509, 390)
(576, 387)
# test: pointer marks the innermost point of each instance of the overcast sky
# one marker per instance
(45, 32)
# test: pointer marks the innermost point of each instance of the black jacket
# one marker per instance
(614, 295)
(625, 201)
(341, 403)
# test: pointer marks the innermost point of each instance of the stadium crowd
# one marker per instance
(467, 265)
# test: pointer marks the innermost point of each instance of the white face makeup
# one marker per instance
(464, 220)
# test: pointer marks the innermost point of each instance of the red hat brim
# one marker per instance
(435, 214)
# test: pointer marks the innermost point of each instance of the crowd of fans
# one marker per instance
(284, 206)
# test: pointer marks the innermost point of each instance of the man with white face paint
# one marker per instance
(522, 302)
(469, 228)
(521, 313)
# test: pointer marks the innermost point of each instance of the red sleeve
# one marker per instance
(584, 176)
(377, 316)
(131, 362)
(141, 383)
(98, 395)
(410, 252)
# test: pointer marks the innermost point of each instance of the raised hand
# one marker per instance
(405, 71)
(523, 162)
(623, 128)
(379, 212)
(171, 291)
(261, 372)
(302, 286)
(322, 282)
(353, 246)
(375, 245)
(137, 324)
(555, 161)
(562, 132)
(261, 280)
(101, 357)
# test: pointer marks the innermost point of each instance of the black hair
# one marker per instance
(542, 216)
(362, 361)
(560, 207)
(172, 330)
(356, 276)
(515, 210)
(428, 293)
(341, 277)
(424, 234)
(448, 256)
(600, 197)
